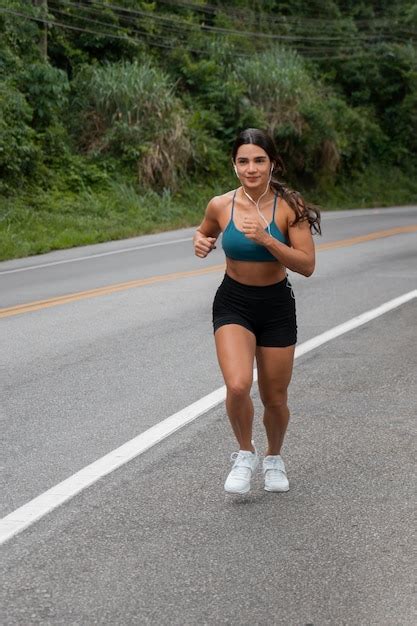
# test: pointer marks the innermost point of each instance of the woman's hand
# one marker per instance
(254, 230)
(203, 245)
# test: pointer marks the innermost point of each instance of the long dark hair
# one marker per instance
(304, 212)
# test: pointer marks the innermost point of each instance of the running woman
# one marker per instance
(267, 229)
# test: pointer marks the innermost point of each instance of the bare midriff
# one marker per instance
(257, 274)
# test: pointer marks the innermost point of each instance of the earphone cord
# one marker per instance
(258, 201)
(288, 284)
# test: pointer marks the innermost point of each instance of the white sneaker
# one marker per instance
(245, 463)
(275, 474)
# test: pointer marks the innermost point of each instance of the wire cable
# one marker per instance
(320, 54)
(196, 28)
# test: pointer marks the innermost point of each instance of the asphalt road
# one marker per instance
(78, 269)
(157, 541)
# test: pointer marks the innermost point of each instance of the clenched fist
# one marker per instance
(254, 230)
(204, 245)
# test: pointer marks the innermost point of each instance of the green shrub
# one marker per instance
(210, 84)
(385, 83)
(208, 154)
(294, 107)
(359, 137)
(18, 38)
(46, 89)
(277, 82)
(19, 153)
(129, 111)
(318, 133)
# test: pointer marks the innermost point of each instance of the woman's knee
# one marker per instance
(275, 401)
(238, 387)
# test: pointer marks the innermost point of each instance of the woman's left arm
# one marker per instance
(300, 257)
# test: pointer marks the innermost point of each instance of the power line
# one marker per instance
(214, 10)
(343, 55)
(136, 30)
(49, 22)
(151, 15)
(132, 30)
(299, 21)
(180, 27)
(210, 8)
(148, 34)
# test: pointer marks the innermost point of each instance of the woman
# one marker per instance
(267, 229)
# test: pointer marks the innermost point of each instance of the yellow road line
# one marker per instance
(104, 291)
(379, 234)
(109, 289)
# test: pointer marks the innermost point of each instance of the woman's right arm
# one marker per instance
(206, 234)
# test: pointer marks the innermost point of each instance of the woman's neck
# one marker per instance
(256, 193)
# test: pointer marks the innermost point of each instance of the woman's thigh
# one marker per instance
(275, 367)
(235, 346)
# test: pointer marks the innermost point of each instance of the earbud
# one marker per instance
(235, 168)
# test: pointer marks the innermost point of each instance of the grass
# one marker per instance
(39, 221)
(376, 187)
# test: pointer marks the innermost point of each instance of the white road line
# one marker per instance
(94, 256)
(29, 513)
(349, 213)
(326, 216)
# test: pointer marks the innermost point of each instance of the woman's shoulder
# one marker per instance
(218, 203)
(291, 203)
(285, 206)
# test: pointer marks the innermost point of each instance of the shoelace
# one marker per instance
(239, 467)
(275, 464)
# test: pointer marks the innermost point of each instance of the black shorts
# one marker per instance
(268, 312)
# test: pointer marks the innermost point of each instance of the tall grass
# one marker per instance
(129, 109)
(278, 83)
(295, 107)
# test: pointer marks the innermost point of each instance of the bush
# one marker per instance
(129, 110)
(18, 38)
(208, 154)
(386, 83)
(277, 82)
(46, 89)
(317, 132)
(19, 153)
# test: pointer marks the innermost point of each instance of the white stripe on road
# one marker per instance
(326, 215)
(315, 342)
(95, 256)
(348, 213)
(29, 513)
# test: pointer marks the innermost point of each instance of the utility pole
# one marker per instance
(43, 42)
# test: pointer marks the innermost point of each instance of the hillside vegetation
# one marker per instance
(117, 117)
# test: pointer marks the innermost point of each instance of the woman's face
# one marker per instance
(253, 166)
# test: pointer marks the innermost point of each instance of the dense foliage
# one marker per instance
(152, 93)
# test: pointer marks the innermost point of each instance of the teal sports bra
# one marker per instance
(238, 247)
